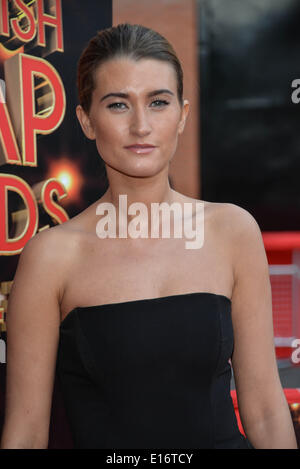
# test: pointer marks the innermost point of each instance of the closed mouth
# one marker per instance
(140, 146)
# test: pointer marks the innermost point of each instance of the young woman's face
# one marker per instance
(135, 103)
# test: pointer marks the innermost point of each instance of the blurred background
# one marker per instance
(241, 143)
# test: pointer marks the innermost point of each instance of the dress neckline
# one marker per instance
(145, 300)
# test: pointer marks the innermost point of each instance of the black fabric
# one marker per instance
(151, 373)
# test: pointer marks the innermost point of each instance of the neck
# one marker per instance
(145, 190)
(124, 191)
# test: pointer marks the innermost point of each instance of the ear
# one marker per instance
(184, 114)
(85, 123)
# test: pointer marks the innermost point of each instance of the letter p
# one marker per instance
(20, 73)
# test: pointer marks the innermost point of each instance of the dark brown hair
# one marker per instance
(131, 40)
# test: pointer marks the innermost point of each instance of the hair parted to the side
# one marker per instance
(130, 40)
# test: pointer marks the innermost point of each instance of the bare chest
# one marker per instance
(116, 270)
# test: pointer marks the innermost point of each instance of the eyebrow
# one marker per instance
(126, 95)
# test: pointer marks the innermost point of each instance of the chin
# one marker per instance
(142, 169)
(142, 173)
(146, 170)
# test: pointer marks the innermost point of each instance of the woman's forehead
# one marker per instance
(126, 75)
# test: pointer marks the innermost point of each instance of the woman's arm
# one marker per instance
(33, 320)
(262, 404)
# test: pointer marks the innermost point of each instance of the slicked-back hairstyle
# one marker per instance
(130, 40)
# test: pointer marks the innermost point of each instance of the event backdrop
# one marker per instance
(249, 60)
(49, 170)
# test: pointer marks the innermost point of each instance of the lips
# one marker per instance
(141, 148)
(141, 145)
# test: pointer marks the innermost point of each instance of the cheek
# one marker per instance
(168, 128)
(109, 133)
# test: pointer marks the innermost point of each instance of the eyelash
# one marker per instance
(161, 101)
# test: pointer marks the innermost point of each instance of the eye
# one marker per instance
(116, 106)
(160, 102)
(156, 103)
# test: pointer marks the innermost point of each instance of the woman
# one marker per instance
(141, 330)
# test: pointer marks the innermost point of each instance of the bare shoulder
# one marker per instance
(242, 218)
(236, 225)
(59, 240)
(245, 241)
(237, 230)
(232, 218)
(53, 244)
(50, 251)
(244, 230)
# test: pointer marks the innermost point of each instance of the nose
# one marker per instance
(140, 124)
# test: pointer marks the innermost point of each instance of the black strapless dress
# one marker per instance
(150, 373)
